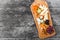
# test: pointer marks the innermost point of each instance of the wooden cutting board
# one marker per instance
(42, 18)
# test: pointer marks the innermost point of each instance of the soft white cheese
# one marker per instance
(41, 7)
(43, 12)
(41, 17)
(39, 21)
(46, 15)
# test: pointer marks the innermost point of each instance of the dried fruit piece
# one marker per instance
(47, 22)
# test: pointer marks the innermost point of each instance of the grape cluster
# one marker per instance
(50, 29)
